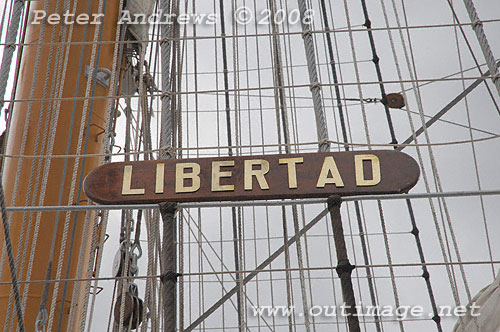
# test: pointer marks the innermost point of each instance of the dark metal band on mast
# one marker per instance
(344, 267)
(169, 266)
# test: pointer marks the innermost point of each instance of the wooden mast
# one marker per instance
(66, 131)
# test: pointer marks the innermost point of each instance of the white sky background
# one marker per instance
(436, 56)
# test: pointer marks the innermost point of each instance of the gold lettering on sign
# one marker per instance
(292, 170)
(127, 181)
(217, 175)
(329, 167)
(258, 173)
(160, 177)
(181, 175)
(360, 172)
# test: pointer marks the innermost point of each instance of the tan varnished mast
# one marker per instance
(95, 145)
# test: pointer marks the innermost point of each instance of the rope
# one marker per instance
(10, 255)
(296, 86)
(181, 271)
(92, 226)
(202, 237)
(287, 266)
(53, 125)
(389, 262)
(166, 86)
(357, 74)
(86, 231)
(291, 33)
(230, 153)
(438, 230)
(434, 167)
(315, 86)
(474, 155)
(135, 153)
(252, 274)
(92, 64)
(10, 47)
(477, 26)
(320, 268)
(32, 191)
(117, 54)
(474, 57)
(281, 105)
(26, 126)
(9, 118)
(376, 62)
(345, 139)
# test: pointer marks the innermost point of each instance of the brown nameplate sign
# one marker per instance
(306, 175)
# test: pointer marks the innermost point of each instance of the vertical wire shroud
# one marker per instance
(234, 216)
(346, 147)
(168, 254)
(415, 230)
(278, 77)
(443, 205)
(166, 83)
(418, 150)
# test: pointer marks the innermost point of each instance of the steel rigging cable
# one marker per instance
(346, 147)
(415, 231)
(230, 153)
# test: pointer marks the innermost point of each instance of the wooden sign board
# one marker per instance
(306, 175)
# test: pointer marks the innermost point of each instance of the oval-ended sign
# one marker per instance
(307, 175)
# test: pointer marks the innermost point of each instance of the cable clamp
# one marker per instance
(165, 40)
(334, 202)
(306, 33)
(170, 151)
(170, 276)
(168, 208)
(325, 143)
(495, 77)
(315, 85)
(167, 94)
(344, 267)
(477, 23)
